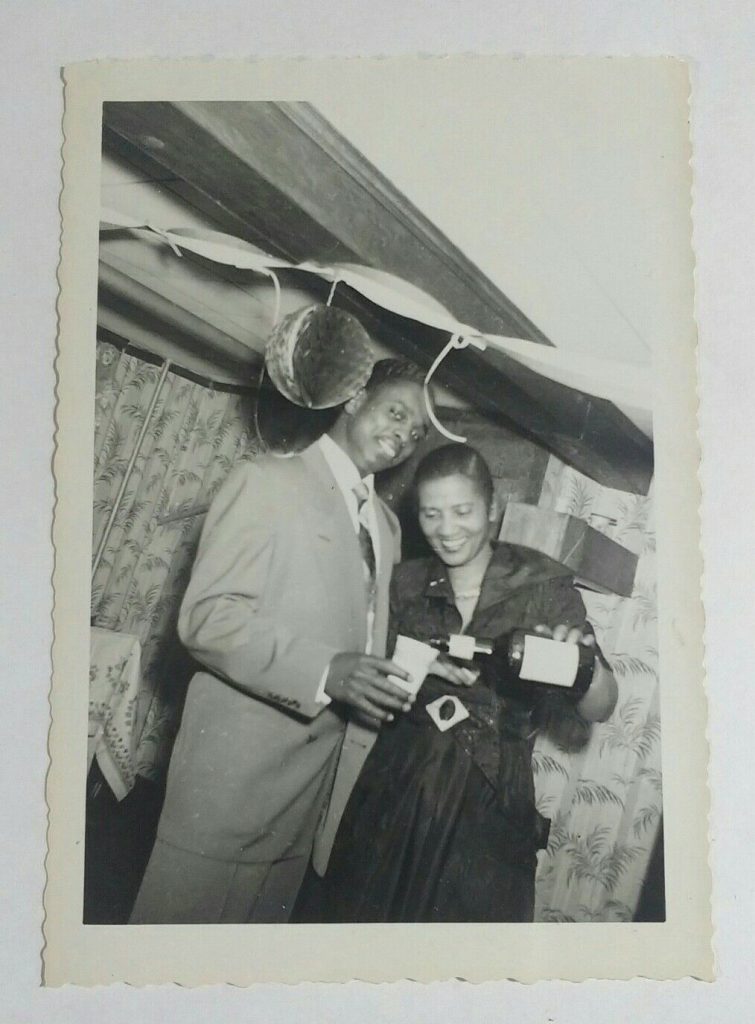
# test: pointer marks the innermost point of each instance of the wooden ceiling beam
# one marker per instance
(280, 176)
(121, 291)
(590, 440)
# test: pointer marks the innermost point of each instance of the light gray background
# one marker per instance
(37, 38)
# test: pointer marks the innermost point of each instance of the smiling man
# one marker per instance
(287, 613)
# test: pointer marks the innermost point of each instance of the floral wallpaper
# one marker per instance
(195, 435)
(605, 799)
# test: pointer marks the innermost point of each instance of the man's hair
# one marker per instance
(453, 459)
(392, 371)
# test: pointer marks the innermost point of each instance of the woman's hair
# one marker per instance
(450, 459)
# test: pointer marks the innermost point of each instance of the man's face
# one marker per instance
(385, 425)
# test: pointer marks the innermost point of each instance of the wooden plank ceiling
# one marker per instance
(279, 176)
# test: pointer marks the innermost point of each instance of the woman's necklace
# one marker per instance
(467, 596)
(466, 602)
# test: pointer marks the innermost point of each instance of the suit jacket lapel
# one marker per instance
(387, 546)
(389, 553)
(334, 526)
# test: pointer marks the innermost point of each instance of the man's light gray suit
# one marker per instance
(277, 589)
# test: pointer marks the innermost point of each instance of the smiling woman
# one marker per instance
(442, 823)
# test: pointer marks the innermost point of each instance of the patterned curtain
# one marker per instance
(605, 799)
(195, 435)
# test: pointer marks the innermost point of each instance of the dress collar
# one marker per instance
(510, 568)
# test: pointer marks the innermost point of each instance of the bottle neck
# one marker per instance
(462, 646)
(528, 657)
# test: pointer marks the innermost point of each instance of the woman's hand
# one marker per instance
(598, 703)
(567, 634)
(453, 673)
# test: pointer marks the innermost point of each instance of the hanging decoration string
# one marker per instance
(277, 286)
(332, 290)
(264, 446)
(454, 342)
(166, 237)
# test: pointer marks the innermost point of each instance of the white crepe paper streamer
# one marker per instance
(114, 220)
(166, 237)
(395, 294)
(626, 384)
(239, 255)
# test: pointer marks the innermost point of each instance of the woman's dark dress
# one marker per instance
(442, 826)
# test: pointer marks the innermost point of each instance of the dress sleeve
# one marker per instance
(558, 602)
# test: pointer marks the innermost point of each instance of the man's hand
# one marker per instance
(361, 680)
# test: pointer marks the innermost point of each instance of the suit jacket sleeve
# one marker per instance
(226, 620)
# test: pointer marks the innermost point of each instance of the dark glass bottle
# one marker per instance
(524, 662)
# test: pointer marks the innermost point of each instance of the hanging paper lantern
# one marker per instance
(319, 357)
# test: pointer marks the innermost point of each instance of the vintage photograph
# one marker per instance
(374, 607)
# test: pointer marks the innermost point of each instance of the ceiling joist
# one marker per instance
(279, 176)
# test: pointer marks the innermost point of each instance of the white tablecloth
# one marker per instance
(113, 690)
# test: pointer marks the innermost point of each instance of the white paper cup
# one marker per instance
(416, 658)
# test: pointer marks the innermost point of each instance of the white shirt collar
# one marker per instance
(343, 469)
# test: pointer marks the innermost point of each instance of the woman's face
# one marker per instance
(455, 518)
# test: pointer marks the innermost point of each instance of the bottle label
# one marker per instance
(549, 661)
(462, 647)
